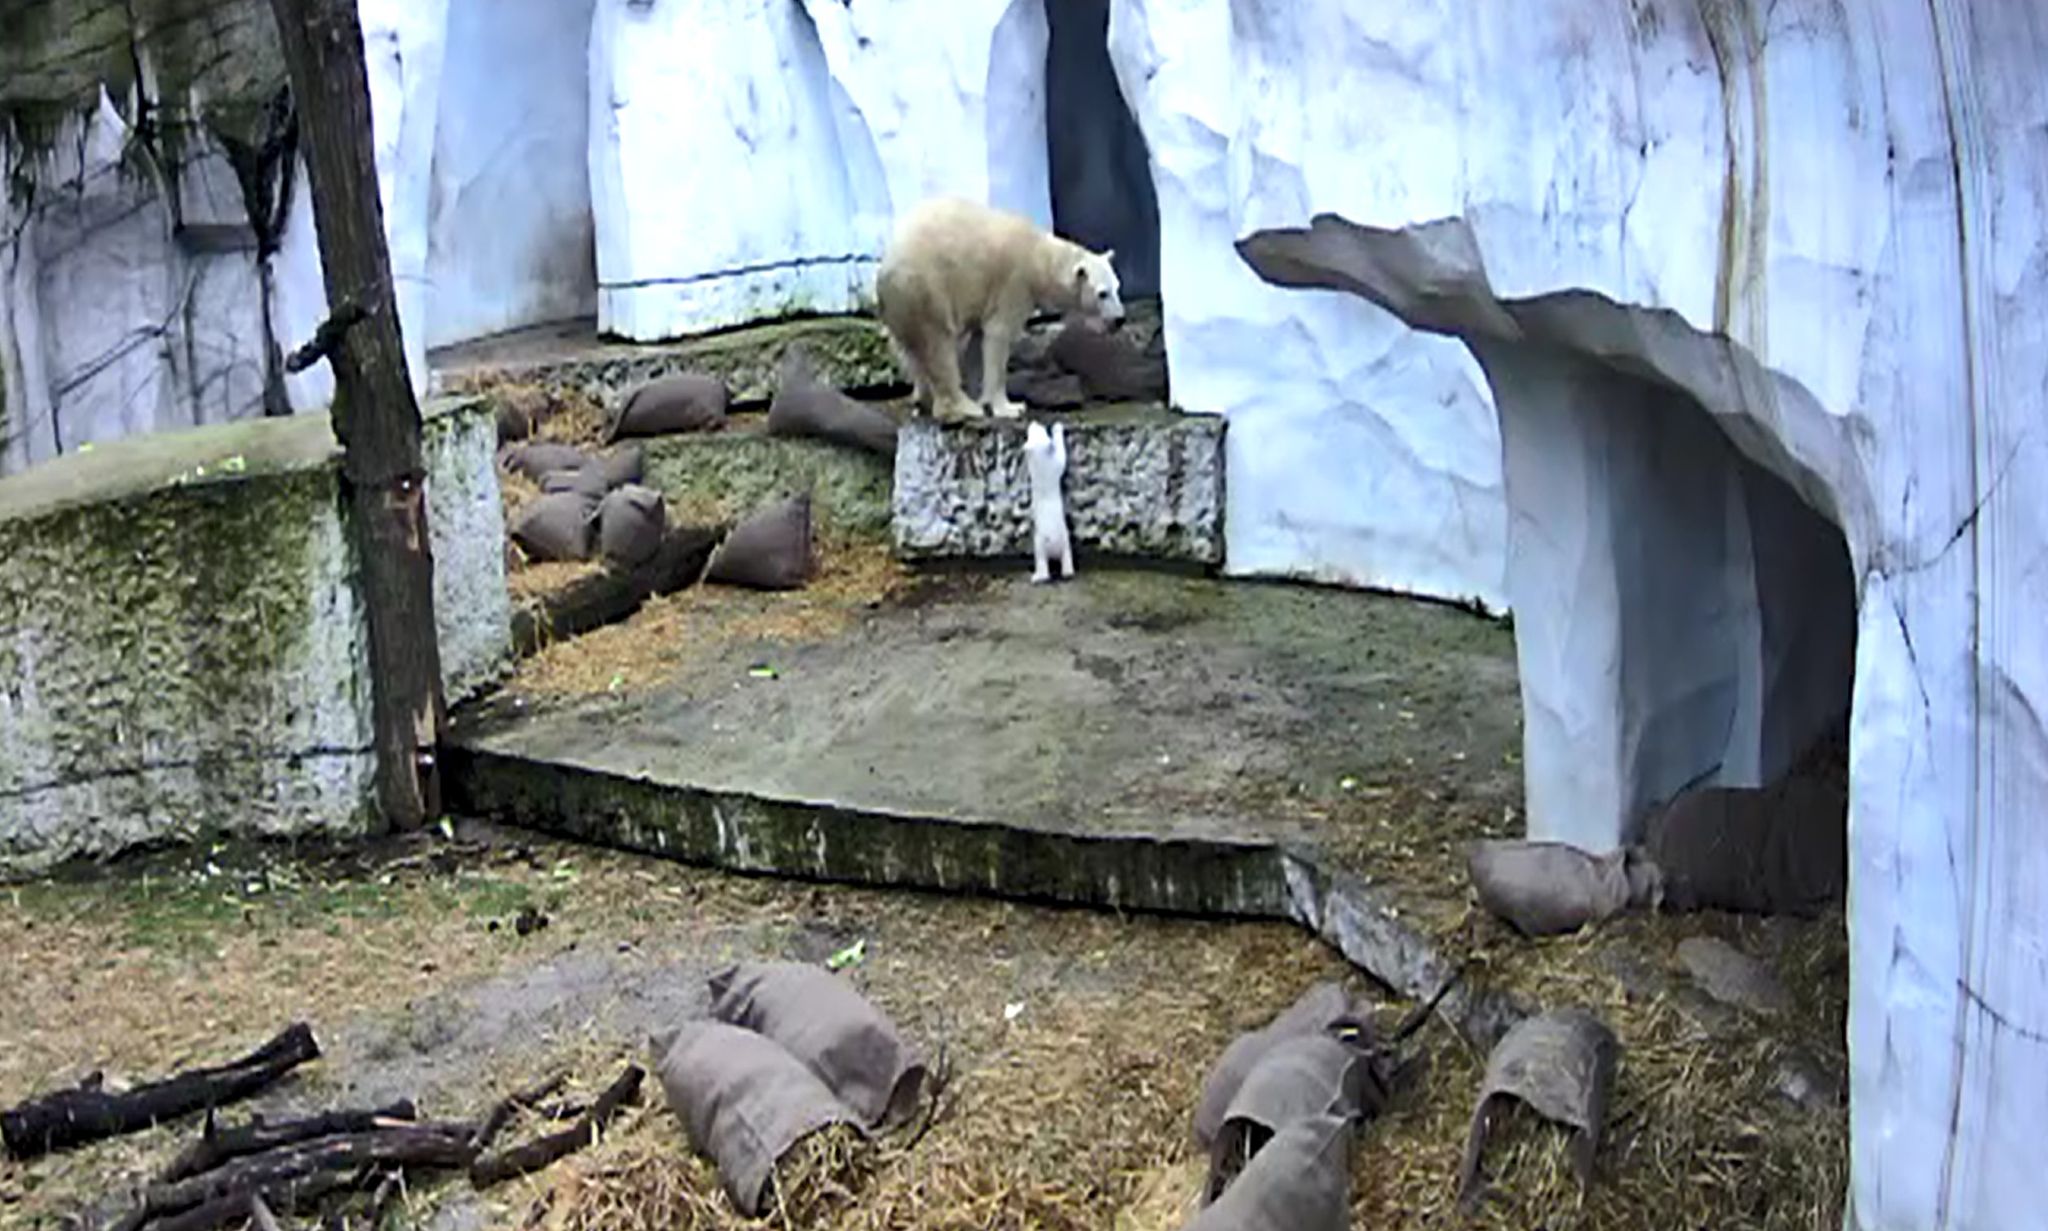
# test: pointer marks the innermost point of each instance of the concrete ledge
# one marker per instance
(744, 832)
(851, 353)
(1141, 482)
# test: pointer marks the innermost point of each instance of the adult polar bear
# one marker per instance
(953, 265)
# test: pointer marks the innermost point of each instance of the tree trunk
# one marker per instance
(375, 416)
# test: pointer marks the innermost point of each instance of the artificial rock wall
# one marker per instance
(130, 280)
(1821, 229)
(1360, 452)
(747, 159)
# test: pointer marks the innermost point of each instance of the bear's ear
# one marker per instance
(1081, 273)
(1109, 254)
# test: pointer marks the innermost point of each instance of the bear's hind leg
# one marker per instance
(941, 361)
(920, 386)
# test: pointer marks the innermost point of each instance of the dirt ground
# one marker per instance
(1079, 1039)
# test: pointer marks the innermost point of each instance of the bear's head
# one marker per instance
(1097, 292)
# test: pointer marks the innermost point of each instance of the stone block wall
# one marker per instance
(183, 648)
(1143, 483)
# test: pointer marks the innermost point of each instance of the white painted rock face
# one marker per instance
(726, 181)
(950, 95)
(1360, 451)
(110, 325)
(509, 239)
(747, 160)
(1821, 230)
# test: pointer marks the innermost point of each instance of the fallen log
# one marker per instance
(503, 1112)
(237, 1208)
(217, 1146)
(538, 1153)
(74, 1117)
(607, 597)
(289, 1174)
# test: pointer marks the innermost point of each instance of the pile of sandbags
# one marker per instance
(790, 1049)
(574, 513)
(1277, 1113)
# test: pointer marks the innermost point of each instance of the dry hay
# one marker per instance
(1696, 1134)
(1073, 1115)
(644, 1177)
(673, 632)
(560, 412)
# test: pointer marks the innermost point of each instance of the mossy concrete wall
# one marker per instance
(183, 649)
(723, 476)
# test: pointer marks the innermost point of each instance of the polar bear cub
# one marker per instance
(1045, 459)
(953, 265)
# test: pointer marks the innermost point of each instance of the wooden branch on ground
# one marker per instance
(606, 597)
(503, 1112)
(74, 1117)
(237, 1208)
(292, 1174)
(387, 1192)
(217, 1146)
(538, 1153)
(260, 1217)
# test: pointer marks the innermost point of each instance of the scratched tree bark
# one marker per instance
(376, 417)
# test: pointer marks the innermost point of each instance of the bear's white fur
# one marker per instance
(1045, 458)
(953, 265)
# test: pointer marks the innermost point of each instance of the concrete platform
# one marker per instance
(1139, 740)
(850, 352)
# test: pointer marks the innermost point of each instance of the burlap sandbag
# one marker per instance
(1325, 1009)
(589, 481)
(820, 1019)
(770, 550)
(538, 458)
(1305, 1076)
(557, 526)
(1782, 849)
(623, 464)
(1545, 888)
(1300, 1181)
(806, 406)
(1561, 1064)
(744, 1101)
(1109, 365)
(684, 402)
(630, 524)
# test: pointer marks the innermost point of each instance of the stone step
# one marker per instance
(852, 353)
(1141, 481)
(746, 831)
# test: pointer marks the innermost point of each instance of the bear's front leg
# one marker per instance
(997, 336)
